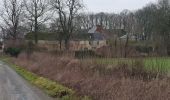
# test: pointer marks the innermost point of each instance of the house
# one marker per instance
(90, 40)
(131, 37)
(95, 38)
(136, 37)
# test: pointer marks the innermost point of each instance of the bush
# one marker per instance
(14, 52)
(85, 54)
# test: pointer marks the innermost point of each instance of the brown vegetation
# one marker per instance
(101, 82)
(118, 52)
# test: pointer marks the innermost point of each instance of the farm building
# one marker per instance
(96, 39)
(93, 39)
(132, 37)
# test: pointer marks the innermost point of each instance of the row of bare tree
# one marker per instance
(66, 16)
(152, 23)
(29, 15)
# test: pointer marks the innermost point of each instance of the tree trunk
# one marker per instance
(66, 44)
(36, 31)
(36, 23)
(60, 43)
(126, 46)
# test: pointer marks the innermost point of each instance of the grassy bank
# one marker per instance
(51, 88)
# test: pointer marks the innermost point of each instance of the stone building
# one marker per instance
(95, 38)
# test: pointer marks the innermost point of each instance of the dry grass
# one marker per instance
(99, 81)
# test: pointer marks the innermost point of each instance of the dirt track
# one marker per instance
(13, 87)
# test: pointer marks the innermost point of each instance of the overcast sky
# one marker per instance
(115, 5)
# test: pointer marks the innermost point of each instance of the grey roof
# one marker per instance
(93, 30)
(123, 37)
(95, 34)
(130, 36)
(98, 36)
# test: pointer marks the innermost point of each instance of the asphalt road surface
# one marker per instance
(13, 87)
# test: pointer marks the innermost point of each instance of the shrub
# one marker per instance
(14, 52)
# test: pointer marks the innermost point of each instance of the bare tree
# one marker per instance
(82, 21)
(36, 14)
(67, 11)
(11, 17)
(128, 25)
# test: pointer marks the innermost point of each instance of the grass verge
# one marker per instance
(51, 88)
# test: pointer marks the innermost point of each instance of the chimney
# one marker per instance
(99, 28)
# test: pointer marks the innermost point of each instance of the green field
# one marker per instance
(153, 64)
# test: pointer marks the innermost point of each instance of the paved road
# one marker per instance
(13, 87)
